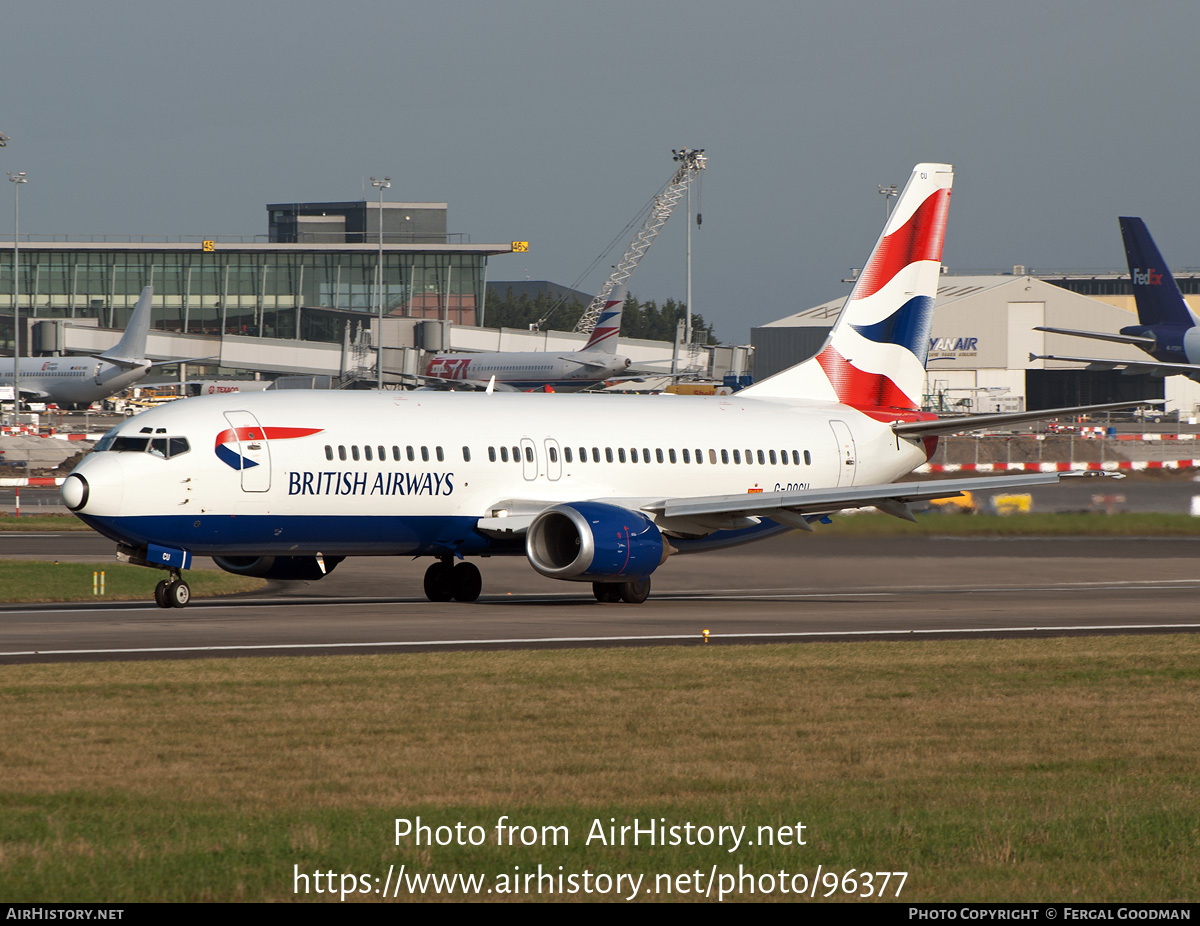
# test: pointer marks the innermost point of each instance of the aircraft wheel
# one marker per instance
(635, 592)
(439, 582)
(468, 583)
(178, 594)
(606, 592)
(160, 594)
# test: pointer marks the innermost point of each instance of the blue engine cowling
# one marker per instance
(594, 542)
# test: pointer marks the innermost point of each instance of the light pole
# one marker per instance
(888, 193)
(380, 185)
(17, 179)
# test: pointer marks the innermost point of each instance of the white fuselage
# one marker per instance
(406, 473)
(529, 369)
(71, 380)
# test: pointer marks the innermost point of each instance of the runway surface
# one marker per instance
(792, 588)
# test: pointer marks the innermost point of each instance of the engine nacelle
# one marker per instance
(277, 567)
(594, 542)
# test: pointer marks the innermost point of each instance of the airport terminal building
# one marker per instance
(982, 341)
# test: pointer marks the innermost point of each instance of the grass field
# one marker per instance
(32, 580)
(1053, 769)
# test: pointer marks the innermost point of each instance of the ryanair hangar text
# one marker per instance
(360, 483)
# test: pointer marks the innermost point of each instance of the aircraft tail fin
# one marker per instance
(1155, 291)
(608, 325)
(875, 355)
(131, 349)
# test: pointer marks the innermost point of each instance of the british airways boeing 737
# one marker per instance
(589, 488)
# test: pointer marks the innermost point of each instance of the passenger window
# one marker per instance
(492, 454)
(621, 454)
(354, 451)
(608, 454)
(645, 454)
(529, 454)
(567, 454)
(424, 453)
(807, 458)
(504, 454)
(658, 455)
(516, 454)
(342, 452)
(687, 457)
(395, 453)
(596, 455)
(671, 454)
(632, 454)
(583, 454)
(762, 460)
(466, 454)
(441, 457)
(382, 453)
(737, 457)
(772, 457)
(411, 455)
(712, 456)
(328, 452)
(367, 452)
(553, 455)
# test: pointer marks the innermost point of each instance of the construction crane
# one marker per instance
(691, 161)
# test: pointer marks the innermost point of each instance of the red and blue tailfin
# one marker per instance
(875, 355)
(608, 325)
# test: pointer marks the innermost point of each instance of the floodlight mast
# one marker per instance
(691, 161)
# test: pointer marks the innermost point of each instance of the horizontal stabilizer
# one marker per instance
(1132, 367)
(977, 422)
(1137, 340)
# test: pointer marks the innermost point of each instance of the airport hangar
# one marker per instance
(299, 300)
(982, 339)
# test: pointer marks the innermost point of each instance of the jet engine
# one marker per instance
(594, 542)
(278, 567)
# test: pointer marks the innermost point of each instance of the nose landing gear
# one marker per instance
(172, 592)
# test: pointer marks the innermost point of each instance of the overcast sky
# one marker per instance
(554, 122)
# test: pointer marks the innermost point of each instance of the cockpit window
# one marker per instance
(159, 446)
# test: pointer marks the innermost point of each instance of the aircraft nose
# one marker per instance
(74, 491)
(96, 486)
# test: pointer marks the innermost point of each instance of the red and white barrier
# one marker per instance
(1094, 466)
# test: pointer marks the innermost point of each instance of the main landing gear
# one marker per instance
(172, 592)
(634, 592)
(446, 579)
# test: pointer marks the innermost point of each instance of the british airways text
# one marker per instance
(349, 483)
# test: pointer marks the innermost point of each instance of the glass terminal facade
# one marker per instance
(275, 290)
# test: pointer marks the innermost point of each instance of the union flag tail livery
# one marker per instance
(875, 356)
(608, 325)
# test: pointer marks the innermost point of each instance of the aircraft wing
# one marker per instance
(706, 514)
(1132, 367)
(1135, 339)
(729, 512)
(1003, 419)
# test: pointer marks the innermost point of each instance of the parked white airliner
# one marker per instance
(592, 488)
(560, 370)
(70, 381)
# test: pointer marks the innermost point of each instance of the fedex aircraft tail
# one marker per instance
(608, 325)
(131, 349)
(875, 355)
(1155, 291)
